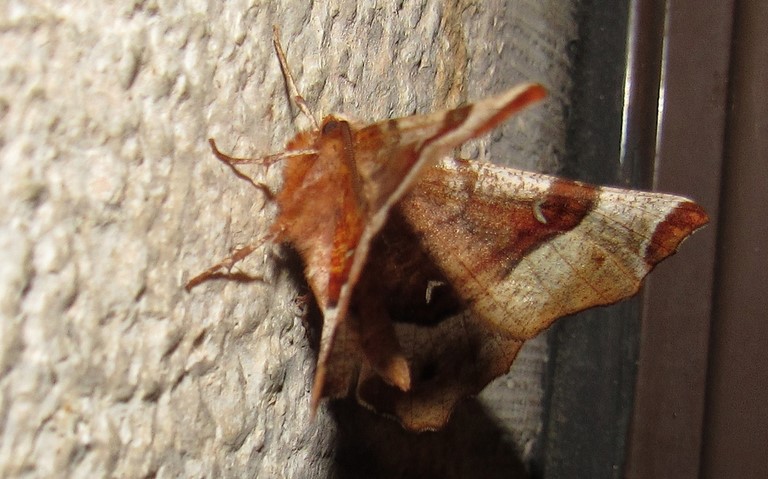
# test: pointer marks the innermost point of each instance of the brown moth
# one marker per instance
(432, 271)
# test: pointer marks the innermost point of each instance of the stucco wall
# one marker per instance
(110, 200)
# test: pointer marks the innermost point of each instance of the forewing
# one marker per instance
(524, 249)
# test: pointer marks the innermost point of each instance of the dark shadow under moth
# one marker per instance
(431, 271)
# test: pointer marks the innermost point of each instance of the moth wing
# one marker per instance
(524, 249)
(512, 251)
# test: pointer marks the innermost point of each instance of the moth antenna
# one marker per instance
(293, 91)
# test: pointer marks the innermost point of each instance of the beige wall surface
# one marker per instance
(110, 200)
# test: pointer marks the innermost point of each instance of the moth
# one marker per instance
(430, 270)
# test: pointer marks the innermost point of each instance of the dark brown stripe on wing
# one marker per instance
(533, 94)
(562, 209)
(567, 203)
(681, 222)
(453, 120)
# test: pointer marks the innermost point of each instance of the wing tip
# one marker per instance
(681, 222)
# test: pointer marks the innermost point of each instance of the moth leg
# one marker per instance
(264, 160)
(223, 269)
(231, 161)
(292, 90)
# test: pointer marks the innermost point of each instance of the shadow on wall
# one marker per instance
(471, 445)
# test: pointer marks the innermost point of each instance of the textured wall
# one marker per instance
(110, 200)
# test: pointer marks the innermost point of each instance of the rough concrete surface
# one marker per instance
(110, 200)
